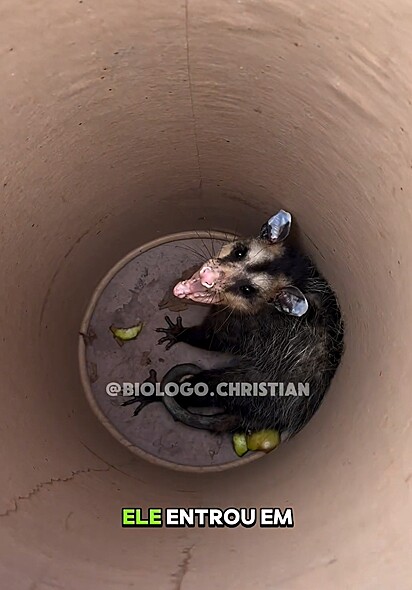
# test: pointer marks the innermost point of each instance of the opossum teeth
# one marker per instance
(205, 283)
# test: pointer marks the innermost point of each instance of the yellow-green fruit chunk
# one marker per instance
(125, 334)
(240, 444)
(264, 440)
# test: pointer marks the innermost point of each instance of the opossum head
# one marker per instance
(248, 274)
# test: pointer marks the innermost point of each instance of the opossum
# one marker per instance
(274, 312)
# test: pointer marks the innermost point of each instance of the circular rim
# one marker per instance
(83, 366)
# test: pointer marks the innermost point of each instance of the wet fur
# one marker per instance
(269, 345)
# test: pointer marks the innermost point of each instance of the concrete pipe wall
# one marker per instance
(124, 121)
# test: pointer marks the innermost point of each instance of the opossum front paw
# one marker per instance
(142, 403)
(172, 332)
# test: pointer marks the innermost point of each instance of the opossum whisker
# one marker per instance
(205, 246)
(190, 249)
(212, 244)
(258, 252)
(193, 251)
(225, 322)
(218, 311)
(235, 235)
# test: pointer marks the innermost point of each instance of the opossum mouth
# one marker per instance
(196, 289)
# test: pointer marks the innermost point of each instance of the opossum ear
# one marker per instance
(291, 301)
(277, 228)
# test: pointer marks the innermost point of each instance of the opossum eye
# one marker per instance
(239, 252)
(247, 290)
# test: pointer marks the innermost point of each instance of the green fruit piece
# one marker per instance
(125, 334)
(264, 440)
(239, 444)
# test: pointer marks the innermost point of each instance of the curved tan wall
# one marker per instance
(124, 121)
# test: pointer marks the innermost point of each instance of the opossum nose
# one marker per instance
(209, 276)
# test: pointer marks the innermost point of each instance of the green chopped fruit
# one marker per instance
(239, 444)
(264, 440)
(125, 334)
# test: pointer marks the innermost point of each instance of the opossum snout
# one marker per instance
(203, 286)
(209, 276)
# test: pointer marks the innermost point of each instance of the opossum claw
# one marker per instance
(178, 325)
(169, 321)
(165, 339)
(172, 332)
(142, 404)
(147, 400)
